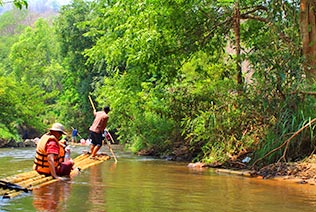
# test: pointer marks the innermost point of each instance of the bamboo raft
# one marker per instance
(28, 181)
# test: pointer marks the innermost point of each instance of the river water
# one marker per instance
(142, 184)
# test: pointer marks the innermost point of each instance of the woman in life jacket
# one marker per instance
(49, 153)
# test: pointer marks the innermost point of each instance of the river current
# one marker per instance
(142, 184)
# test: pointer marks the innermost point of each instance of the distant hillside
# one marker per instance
(38, 6)
(13, 20)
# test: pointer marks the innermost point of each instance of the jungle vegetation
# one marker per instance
(196, 80)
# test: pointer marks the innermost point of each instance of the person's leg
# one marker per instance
(97, 144)
(91, 148)
(65, 168)
(93, 141)
(95, 151)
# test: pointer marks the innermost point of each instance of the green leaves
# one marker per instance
(20, 104)
(20, 3)
(17, 3)
(75, 35)
(226, 2)
(36, 49)
(31, 79)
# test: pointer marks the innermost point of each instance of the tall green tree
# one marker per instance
(147, 47)
(34, 53)
(34, 61)
(308, 33)
(20, 106)
(80, 76)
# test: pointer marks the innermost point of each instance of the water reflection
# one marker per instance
(96, 191)
(52, 197)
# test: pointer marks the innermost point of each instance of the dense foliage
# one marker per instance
(199, 80)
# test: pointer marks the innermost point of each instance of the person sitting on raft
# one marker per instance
(49, 157)
(66, 147)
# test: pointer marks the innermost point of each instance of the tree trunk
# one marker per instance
(308, 33)
(237, 37)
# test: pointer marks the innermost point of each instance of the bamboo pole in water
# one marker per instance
(4, 191)
(21, 177)
(235, 172)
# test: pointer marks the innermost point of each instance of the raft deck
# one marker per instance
(24, 182)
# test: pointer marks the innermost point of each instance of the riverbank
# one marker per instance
(301, 172)
(13, 143)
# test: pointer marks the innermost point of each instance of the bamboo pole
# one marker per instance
(91, 103)
(4, 191)
(10, 195)
(80, 158)
(245, 173)
(30, 182)
(90, 162)
(110, 148)
(20, 177)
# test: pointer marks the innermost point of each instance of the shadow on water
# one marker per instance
(147, 184)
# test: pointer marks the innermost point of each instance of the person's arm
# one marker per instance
(106, 122)
(50, 158)
(52, 149)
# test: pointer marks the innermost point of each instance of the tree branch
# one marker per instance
(285, 143)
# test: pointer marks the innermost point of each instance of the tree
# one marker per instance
(33, 54)
(34, 61)
(81, 76)
(144, 50)
(20, 105)
(308, 33)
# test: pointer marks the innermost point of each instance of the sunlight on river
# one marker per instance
(145, 184)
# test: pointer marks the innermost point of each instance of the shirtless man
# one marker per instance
(97, 128)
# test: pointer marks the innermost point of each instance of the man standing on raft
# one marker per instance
(97, 129)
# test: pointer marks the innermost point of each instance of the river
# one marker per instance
(142, 184)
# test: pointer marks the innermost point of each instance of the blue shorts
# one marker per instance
(96, 138)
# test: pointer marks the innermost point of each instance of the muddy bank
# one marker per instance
(302, 172)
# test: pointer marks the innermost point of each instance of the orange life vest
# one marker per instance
(41, 161)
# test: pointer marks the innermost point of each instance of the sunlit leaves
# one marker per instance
(20, 3)
(34, 63)
(35, 50)
(71, 27)
(225, 2)
(17, 3)
(20, 104)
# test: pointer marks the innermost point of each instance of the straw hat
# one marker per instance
(59, 128)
